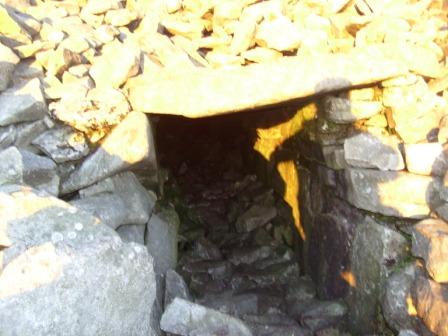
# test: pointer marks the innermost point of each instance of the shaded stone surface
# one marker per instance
(253, 86)
(187, 318)
(22, 102)
(132, 233)
(398, 308)
(376, 249)
(366, 150)
(57, 258)
(175, 287)
(117, 201)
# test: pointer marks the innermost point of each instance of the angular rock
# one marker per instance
(397, 306)
(161, 242)
(132, 233)
(175, 287)
(366, 150)
(217, 270)
(254, 218)
(430, 242)
(345, 111)
(430, 301)
(11, 168)
(426, 158)
(23, 102)
(8, 62)
(129, 144)
(376, 250)
(249, 255)
(397, 194)
(323, 314)
(62, 144)
(279, 34)
(57, 259)
(187, 318)
(21, 166)
(232, 304)
(206, 250)
(252, 86)
(125, 202)
(117, 63)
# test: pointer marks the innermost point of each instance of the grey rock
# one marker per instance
(161, 242)
(132, 233)
(330, 243)
(187, 318)
(429, 299)
(22, 102)
(249, 255)
(397, 194)
(407, 333)
(20, 166)
(366, 150)
(426, 158)
(376, 249)
(175, 287)
(126, 202)
(430, 242)
(395, 303)
(301, 290)
(206, 250)
(11, 168)
(129, 144)
(232, 304)
(8, 62)
(26, 132)
(62, 144)
(323, 314)
(84, 260)
(255, 217)
(216, 269)
(344, 111)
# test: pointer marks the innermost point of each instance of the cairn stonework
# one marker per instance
(350, 99)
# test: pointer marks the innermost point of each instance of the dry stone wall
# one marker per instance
(76, 77)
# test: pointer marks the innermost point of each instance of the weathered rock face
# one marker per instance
(56, 257)
(431, 305)
(129, 144)
(430, 242)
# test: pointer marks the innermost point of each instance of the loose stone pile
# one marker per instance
(72, 126)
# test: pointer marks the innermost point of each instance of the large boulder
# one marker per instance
(64, 273)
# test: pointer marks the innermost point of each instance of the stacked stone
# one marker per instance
(77, 265)
(372, 164)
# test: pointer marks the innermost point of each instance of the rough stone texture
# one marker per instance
(117, 63)
(21, 166)
(432, 307)
(175, 287)
(57, 259)
(323, 314)
(8, 62)
(119, 200)
(22, 102)
(330, 243)
(132, 233)
(161, 242)
(129, 144)
(430, 242)
(397, 306)
(255, 217)
(253, 86)
(376, 250)
(397, 194)
(426, 158)
(187, 318)
(366, 150)
(11, 169)
(62, 144)
(344, 111)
